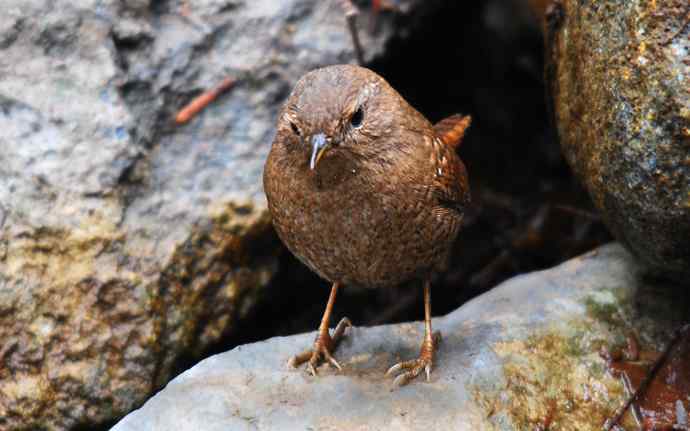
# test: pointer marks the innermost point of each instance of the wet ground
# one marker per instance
(664, 400)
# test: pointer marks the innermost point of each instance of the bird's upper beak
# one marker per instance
(319, 145)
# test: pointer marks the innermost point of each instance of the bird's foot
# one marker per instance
(324, 345)
(415, 366)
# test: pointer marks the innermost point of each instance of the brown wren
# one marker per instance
(365, 191)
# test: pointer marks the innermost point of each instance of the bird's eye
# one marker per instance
(357, 118)
(295, 130)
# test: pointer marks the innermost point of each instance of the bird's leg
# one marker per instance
(426, 354)
(324, 344)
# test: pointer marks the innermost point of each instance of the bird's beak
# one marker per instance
(319, 145)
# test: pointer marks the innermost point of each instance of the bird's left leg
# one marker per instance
(426, 354)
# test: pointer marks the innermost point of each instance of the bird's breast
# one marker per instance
(356, 227)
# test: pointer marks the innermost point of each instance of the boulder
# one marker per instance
(525, 355)
(619, 77)
(127, 241)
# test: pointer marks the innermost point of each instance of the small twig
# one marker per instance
(498, 200)
(374, 20)
(610, 423)
(201, 101)
(525, 238)
(351, 13)
(489, 272)
(378, 6)
(389, 313)
(577, 211)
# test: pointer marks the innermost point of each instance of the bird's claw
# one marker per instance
(323, 346)
(415, 366)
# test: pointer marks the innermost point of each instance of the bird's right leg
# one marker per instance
(324, 344)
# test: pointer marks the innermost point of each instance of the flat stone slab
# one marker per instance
(524, 353)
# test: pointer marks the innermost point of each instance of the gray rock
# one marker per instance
(619, 76)
(126, 241)
(508, 358)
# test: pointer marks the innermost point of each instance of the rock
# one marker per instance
(619, 76)
(127, 242)
(510, 359)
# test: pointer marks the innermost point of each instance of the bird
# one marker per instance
(365, 191)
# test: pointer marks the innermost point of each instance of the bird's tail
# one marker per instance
(451, 130)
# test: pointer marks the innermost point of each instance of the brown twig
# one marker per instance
(201, 101)
(374, 19)
(528, 237)
(577, 211)
(610, 423)
(402, 303)
(378, 6)
(351, 13)
(489, 272)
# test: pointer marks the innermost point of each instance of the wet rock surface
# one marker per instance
(523, 356)
(666, 399)
(619, 75)
(126, 241)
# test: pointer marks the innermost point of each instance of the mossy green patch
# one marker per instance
(557, 374)
(605, 312)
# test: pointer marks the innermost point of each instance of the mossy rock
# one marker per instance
(618, 73)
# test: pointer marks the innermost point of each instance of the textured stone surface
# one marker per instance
(509, 358)
(619, 74)
(125, 241)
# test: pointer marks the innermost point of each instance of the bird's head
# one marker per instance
(343, 110)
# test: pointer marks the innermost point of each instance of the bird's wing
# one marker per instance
(451, 130)
(451, 186)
